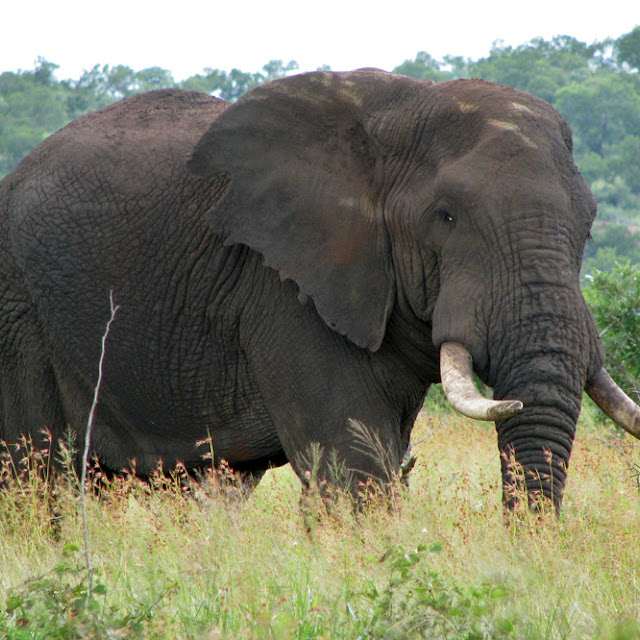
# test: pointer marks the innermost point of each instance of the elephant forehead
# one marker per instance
(466, 107)
(507, 117)
(470, 104)
(511, 127)
(518, 106)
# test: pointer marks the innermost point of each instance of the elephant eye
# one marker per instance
(445, 216)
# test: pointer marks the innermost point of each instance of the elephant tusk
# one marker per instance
(456, 373)
(614, 402)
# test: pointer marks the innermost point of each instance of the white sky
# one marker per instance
(187, 36)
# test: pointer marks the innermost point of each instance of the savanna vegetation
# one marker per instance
(178, 559)
(169, 563)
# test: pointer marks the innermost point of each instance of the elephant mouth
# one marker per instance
(456, 373)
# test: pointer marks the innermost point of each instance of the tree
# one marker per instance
(213, 81)
(424, 67)
(617, 237)
(32, 106)
(277, 69)
(614, 299)
(230, 86)
(153, 78)
(121, 81)
(43, 74)
(458, 66)
(628, 49)
(622, 161)
(602, 110)
(540, 67)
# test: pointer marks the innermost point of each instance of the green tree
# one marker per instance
(32, 106)
(89, 92)
(615, 301)
(212, 81)
(231, 85)
(602, 109)
(540, 67)
(424, 67)
(153, 78)
(121, 81)
(628, 49)
(278, 69)
(612, 237)
(623, 161)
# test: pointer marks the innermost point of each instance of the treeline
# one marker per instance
(595, 87)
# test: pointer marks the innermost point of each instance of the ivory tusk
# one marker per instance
(456, 373)
(614, 402)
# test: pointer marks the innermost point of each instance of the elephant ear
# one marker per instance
(305, 192)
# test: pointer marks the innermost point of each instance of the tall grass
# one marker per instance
(173, 559)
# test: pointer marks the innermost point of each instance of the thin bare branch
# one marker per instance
(87, 444)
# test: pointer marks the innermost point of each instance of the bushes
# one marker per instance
(615, 301)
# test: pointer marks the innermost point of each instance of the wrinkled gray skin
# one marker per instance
(300, 268)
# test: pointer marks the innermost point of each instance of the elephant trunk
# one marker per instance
(530, 462)
(541, 346)
(543, 361)
(535, 448)
(533, 339)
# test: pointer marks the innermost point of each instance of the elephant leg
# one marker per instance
(30, 401)
(337, 434)
(353, 439)
(329, 402)
(243, 480)
(347, 454)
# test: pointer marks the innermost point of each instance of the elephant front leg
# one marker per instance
(332, 405)
(357, 458)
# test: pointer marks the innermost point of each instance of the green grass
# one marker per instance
(444, 564)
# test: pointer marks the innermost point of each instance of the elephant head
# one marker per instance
(454, 207)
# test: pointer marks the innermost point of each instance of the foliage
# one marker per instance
(615, 301)
(60, 605)
(180, 560)
(230, 86)
(419, 603)
(612, 243)
(628, 48)
(540, 67)
(603, 109)
(424, 67)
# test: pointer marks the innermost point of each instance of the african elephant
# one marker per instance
(309, 258)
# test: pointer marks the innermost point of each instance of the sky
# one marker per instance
(188, 36)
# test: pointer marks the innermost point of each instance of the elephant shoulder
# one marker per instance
(121, 149)
(175, 110)
(158, 126)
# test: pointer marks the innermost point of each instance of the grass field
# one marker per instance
(444, 564)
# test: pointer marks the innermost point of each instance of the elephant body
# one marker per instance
(289, 266)
(206, 340)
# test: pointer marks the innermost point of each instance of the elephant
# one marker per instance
(294, 270)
